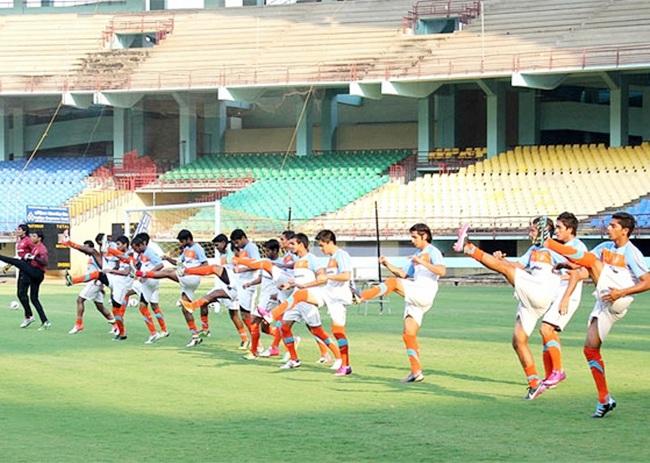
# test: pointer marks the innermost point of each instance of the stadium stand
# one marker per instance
(47, 182)
(337, 41)
(279, 165)
(284, 182)
(505, 191)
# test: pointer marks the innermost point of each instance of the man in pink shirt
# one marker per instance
(32, 265)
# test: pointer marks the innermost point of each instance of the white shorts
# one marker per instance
(93, 291)
(189, 285)
(268, 299)
(120, 286)
(535, 296)
(608, 313)
(418, 297)
(552, 315)
(149, 290)
(246, 298)
(336, 298)
(303, 312)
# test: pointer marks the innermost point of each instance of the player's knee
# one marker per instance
(546, 330)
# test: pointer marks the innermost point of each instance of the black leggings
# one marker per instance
(28, 278)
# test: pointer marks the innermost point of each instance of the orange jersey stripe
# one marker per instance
(611, 258)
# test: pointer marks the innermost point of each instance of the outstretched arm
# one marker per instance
(398, 272)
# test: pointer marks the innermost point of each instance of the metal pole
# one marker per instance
(482, 33)
(289, 220)
(381, 299)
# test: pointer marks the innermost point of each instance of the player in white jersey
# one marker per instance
(148, 289)
(223, 257)
(93, 289)
(246, 288)
(276, 272)
(226, 285)
(536, 284)
(269, 276)
(306, 273)
(117, 267)
(564, 305)
(417, 283)
(619, 270)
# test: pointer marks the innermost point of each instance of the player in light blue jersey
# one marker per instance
(417, 283)
(619, 270)
(565, 304)
(536, 284)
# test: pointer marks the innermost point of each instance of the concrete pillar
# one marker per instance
(137, 116)
(304, 137)
(216, 120)
(329, 122)
(496, 119)
(120, 143)
(645, 115)
(187, 128)
(426, 123)
(4, 132)
(445, 117)
(18, 132)
(619, 99)
(529, 118)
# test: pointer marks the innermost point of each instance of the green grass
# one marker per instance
(85, 398)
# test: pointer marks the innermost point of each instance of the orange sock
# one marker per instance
(413, 352)
(474, 252)
(552, 348)
(265, 265)
(205, 323)
(342, 341)
(247, 323)
(120, 323)
(277, 336)
(161, 319)
(198, 303)
(255, 337)
(597, 367)
(531, 376)
(319, 332)
(586, 259)
(148, 321)
(289, 342)
(85, 278)
(203, 270)
(388, 286)
(191, 324)
(299, 296)
(71, 244)
(79, 323)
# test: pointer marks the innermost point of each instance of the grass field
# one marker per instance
(85, 398)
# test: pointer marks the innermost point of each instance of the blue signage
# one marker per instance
(47, 214)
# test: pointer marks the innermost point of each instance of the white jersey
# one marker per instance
(627, 259)
(540, 261)
(305, 268)
(419, 272)
(339, 262)
(250, 251)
